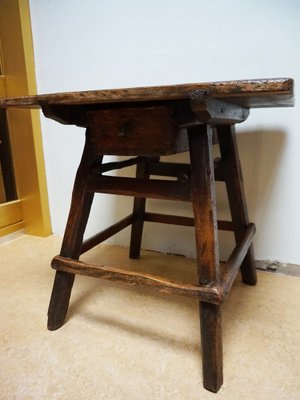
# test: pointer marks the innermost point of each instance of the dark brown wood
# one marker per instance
(125, 131)
(236, 197)
(139, 206)
(65, 114)
(60, 298)
(204, 206)
(107, 233)
(169, 219)
(216, 112)
(231, 268)
(156, 121)
(152, 188)
(211, 346)
(184, 221)
(80, 204)
(276, 92)
(72, 241)
(210, 294)
(203, 199)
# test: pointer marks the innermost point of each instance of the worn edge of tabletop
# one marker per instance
(273, 92)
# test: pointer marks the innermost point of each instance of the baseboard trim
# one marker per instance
(278, 267)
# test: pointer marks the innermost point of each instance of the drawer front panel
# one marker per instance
(136, 131)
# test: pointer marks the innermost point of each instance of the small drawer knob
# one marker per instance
(125, 129)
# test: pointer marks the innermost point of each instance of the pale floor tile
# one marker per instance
(126, 343)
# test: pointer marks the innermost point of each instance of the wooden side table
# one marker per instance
(146, 123)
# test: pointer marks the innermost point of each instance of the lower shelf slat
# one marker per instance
(211, 294)
(202, 293)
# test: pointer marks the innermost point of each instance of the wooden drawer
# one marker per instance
(136, 131)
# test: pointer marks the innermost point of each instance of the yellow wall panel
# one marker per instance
(24, 125)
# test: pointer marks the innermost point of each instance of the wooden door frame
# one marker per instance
(31, 210)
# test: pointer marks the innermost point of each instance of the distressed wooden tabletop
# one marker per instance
(276, 92)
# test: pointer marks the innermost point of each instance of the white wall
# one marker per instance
(91, 44)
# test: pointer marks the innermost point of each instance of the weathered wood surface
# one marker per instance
(214, 111)
(154, 121)
(214, 294)
(71, 247)
(211, 346)
(139, 187)
(183, 221)
(204, 204)
(136, 131)
(276, 92)
(159, 284)
(139, 208)
(231, 268)
(206, 237)
(236, 196)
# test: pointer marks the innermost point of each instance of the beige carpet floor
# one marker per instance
(126, 343)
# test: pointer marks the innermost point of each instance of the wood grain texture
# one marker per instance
(154, 121)
(231, 268)
(204, 204)
(209, 273)
(210, 314)
(136, 131)
(236, 196)
(72, 241)
(211, 346)
(138, 187)
(216, 112)
(139, 207)
(183, 221)
(275, 92)
(209, 294)
(214, 294)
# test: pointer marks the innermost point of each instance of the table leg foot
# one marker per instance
(60, 298)
(211, 343)
(248, 268)
(72, 242)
